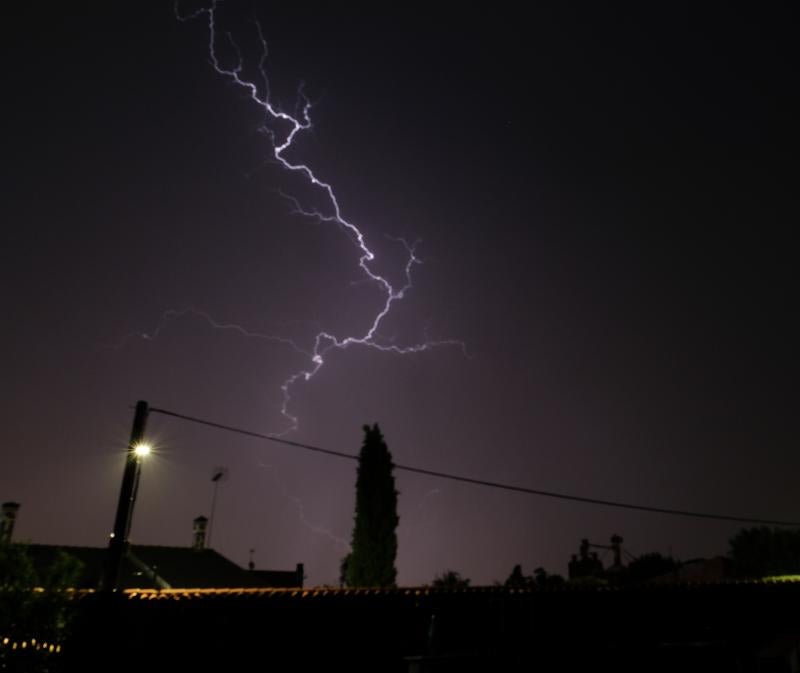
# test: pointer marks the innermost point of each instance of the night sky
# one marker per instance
(605, 202)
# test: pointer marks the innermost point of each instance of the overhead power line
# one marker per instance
(482, 482)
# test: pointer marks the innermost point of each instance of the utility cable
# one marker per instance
(484, 482)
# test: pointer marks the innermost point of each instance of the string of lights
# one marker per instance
(483, 482)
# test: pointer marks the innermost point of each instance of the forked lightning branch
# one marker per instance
(282, 129)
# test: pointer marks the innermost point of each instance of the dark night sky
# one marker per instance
(605, 199)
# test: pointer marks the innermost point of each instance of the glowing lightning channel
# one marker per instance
(339, 542)
(172, 314)
(324, 341)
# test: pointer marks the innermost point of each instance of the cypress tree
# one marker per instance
(374, 547)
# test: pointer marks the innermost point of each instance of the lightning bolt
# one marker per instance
(339, 542)
(173, 314)
(282, 129)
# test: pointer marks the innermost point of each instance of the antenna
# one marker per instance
(217, 475)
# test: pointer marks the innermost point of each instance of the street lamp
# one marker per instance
(117, 545)
(142, 450)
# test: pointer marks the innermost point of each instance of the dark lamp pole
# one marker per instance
(118, 543)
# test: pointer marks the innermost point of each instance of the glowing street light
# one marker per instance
(142, 449)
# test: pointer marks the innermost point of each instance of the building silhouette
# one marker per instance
(158, 567)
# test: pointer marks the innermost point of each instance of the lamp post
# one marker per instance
(118, 543)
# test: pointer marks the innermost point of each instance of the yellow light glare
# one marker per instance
(141, 450)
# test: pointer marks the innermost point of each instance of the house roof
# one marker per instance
(151, 566)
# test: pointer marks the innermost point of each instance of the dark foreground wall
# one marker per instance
(703, 628)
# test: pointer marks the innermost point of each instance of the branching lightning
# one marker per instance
(338, 541)
(282, 129)
(173, 314)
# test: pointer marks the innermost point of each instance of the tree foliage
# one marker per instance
(374, 546)
(517, 580)
(648, 567)
(763, 551)
(450, 580)
(35, 604)
(343, 565)
(540, 578)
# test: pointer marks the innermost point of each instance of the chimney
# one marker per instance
(299, 574)
(200, 526)
(7, 519)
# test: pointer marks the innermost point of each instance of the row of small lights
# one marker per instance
(34, 644)
(177, 594)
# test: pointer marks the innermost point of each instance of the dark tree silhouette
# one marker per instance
(648, 567)
(540, 578)
(343, 564)
(762, 551)
(517, 580)
(450, 579)
(374, 547)
(34, 604)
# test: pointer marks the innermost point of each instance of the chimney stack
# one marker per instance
(7, 519)
(200, 526)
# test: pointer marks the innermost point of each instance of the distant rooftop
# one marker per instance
(156, 567)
